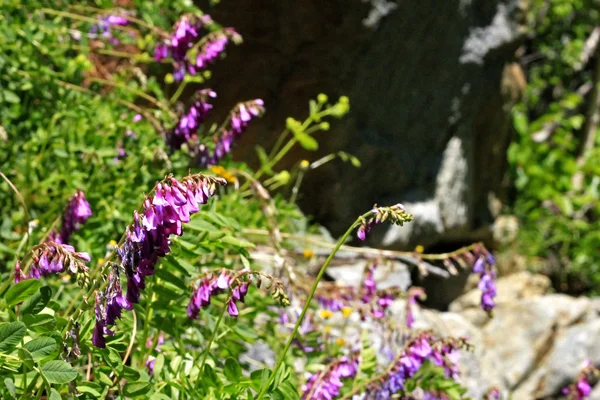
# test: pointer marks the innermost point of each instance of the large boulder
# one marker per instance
(430, 84)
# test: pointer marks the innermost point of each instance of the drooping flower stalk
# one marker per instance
(326, 384)
(189, 122)
(77, 212)
(216, 282)
(147, 240)
(419, 350)
(53, 258)
(232, 130)
(192, 47)
(395, 214)
(484, 266)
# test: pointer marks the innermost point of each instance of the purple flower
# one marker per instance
(103, 26)
(487, 282)
(239, 118)
(77, 212)
(147, 240)
(190, 122)
(326, 385)
(396, 214)
(137, 117)
(581, 388)
(52, 258)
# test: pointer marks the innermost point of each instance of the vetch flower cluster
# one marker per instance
(77, 212)
(419, 350)
(582, 388)
(103, 27)
(189, 50)
(212, 284)
(326, 385)
(190, 122)
(147, 239)
(53, 258)
(484, 266)
(395, 214)
(233, 129)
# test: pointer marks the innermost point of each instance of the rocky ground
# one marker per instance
(533, 346)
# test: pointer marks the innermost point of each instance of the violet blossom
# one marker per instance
(326, 385)
(190, 122)
(192, 47)
(484, 266)
(421, 349)
(103, 27)
(76, 214)
(224, 140)
(147, 240)
(395, 214)
(51, 258)
(581, 388)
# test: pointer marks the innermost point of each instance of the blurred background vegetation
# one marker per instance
(66, 107)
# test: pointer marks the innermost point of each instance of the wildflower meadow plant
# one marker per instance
(146, 283)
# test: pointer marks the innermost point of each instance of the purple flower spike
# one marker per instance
(76, 214)
(147, 240)
(487, 281)
(326, 385)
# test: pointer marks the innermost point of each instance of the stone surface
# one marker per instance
(430, 85)
(535, 344)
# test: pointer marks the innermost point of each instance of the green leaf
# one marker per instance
(58, 372)
(11, 335)
(41, 347)
(10, 385)
(21, 291)
(40, 322)
(202, 225)
(26, 357)
(237, 242)
(88, 389)
(130, 373)
(232, 370)
(306, 141)
(167, 276)
(37, 302)
(135, 389)
(10, 96)
(159, 363)
(54, 395)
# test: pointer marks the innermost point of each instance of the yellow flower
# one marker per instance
(222, 172)
(326, 314)
(100, 261)
(340, 342)
(113, 243)
(346, 311)
(308, 253)
(304, 164)
(419, 249)
(328, 329)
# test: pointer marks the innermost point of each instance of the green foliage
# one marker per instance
(67, 106)
(555, 173)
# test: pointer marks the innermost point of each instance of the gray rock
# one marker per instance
(430, 91)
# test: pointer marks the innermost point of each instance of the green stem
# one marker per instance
(307, 304)
(178, 91)
(212, 336)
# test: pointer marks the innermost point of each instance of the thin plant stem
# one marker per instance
(178, 92)
(297, 184)
(139, 93)
(307, 304)
(212, 336)
(394, 254)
